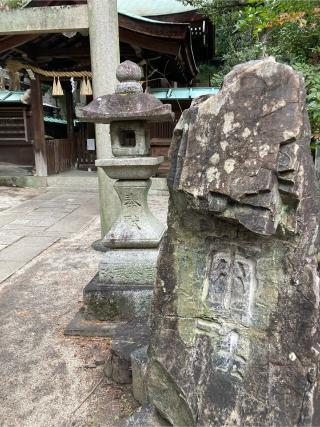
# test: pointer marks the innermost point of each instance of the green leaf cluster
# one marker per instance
(289, 30)
(312, 81)
(11, 4)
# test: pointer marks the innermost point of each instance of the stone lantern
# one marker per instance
(123, 286)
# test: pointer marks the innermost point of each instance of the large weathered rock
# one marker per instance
(236, 307)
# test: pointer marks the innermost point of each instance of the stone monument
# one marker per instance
(235, 316)
(122, 289)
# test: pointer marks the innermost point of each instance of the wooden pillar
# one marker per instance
(69, 110)
(70, 127)
(39, 142)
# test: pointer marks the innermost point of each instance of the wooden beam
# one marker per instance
(11, 42)
(39, 142)
(156, 29)
(51, 19)
(155, 44)
(61, 53)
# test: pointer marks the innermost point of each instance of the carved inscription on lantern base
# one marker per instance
(134, 267)
(136, 226)
(123, 287)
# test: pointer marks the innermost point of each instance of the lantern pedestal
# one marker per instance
(121, 291)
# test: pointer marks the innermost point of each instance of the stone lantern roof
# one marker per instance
(129, 102)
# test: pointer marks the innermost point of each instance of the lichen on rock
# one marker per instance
(237, 290)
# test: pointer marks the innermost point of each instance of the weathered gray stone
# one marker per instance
(129, 75)
(131, 168)
(129, 340)
(134, 267)
(235, 317)
(136, 226)
(104, 301)
(145, 417)
(139, 360)
(118, 369)
(129, 110)
(122, 290)
(128, 103)
(106, 109)
(130, 138)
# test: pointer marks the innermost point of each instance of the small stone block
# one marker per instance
(139, 359)
(118, 303)
(80, 326)
(128, 341)
(118, 369)
(129, 267)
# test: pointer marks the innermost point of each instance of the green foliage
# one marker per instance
(11, 4)
(312, 81)
(289, 30)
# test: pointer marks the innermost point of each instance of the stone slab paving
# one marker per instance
(12, 196)
(29, 227)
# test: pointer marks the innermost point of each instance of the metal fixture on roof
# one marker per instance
(69, 34)
(182, 92)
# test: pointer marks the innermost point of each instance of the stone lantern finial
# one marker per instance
(129, 75)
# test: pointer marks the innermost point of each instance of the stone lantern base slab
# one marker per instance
(122, 289)
(123, 303)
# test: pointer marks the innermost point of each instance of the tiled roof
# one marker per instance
(10, 96)
(182, 92)
(50, 119)
(152, 7)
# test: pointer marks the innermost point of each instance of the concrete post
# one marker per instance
(105, 57)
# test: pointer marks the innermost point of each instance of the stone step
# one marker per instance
(73, 189)
(78, 185)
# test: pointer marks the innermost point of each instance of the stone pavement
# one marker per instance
(47, 378)
(29, 228)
